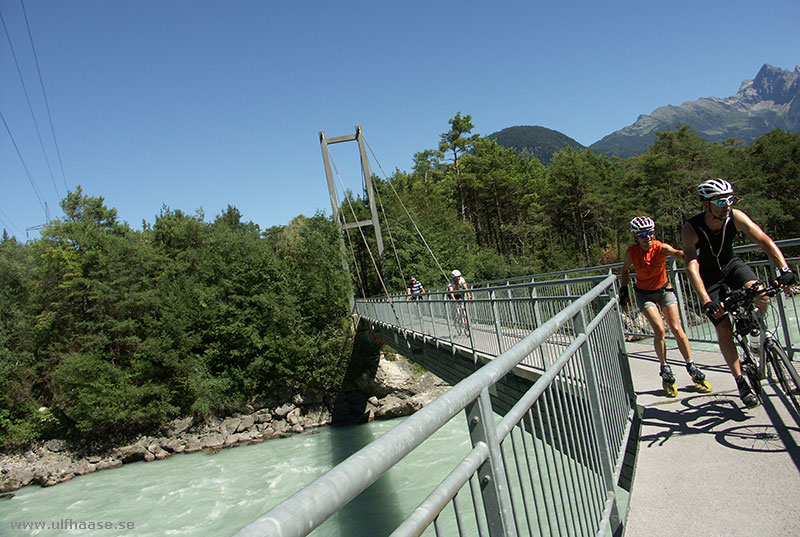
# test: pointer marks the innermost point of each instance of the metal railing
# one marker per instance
(550, 466)
(783, 316)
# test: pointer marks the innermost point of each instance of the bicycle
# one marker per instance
(460, 319)
(747, 320)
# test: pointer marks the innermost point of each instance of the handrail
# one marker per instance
(609, 267)
(568, 385)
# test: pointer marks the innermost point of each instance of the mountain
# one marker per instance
(537, 141)
(770, 101)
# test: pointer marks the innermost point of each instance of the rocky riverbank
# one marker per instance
(396, 389)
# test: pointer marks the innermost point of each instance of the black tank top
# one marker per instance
(714, 248)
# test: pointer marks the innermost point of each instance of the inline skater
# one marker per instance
(714, 270)
(653, 291)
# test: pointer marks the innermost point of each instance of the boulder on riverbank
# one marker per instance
(397, 389)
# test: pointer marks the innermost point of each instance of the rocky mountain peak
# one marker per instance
(769, 101)
(770, 84)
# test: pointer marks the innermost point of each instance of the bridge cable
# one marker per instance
(361, 284)
(363, 237)
(372, 258)
(391, 238)
(411, 218)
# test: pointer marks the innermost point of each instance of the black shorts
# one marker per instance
(736, 274)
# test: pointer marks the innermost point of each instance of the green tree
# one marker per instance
(455, 143)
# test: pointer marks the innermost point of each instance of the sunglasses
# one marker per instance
(722, 202)
(645, 234)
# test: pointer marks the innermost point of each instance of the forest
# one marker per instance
(493, 212)
(107, 331)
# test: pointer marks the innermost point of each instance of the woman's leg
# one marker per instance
(673, 317)
(659, 333)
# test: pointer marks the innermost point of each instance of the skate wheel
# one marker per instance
(705, 386)
(671, 390)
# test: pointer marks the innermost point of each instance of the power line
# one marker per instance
(44, 94)
(30, 106)
(22, 160)
(8, 219)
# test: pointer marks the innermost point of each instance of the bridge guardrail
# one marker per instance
(783, 315)
(551, 465)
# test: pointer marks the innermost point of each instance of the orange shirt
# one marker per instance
(651, 273)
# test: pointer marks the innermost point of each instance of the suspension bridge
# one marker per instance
(570, 431)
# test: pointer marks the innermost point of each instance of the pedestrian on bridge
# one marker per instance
(653, 290)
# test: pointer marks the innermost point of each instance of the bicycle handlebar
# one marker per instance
(750, 293)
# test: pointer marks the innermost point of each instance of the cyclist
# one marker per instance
(653, 291)
(415, 289)
(458, 290)
(456, 284)
(714, 269)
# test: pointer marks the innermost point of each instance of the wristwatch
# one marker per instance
(784, 270)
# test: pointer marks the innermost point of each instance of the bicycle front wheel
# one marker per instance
(785, 373)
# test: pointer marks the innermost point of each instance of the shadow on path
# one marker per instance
(721, 415)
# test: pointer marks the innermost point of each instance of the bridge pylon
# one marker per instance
(373, 221)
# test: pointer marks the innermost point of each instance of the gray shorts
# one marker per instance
(651, 299)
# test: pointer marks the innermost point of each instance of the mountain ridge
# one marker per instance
(769, 101)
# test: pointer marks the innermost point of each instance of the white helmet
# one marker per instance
(713, 188)
(642, 223)
(456, 273)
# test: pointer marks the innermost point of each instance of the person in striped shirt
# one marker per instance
(415, 289)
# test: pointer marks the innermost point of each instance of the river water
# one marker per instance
(200, 494)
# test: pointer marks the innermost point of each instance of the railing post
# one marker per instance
(418, 311)
(598, 423)
(677, 284)
(496, 319)
(491, 474)
(433, 319)
(512, 310)
(537, 315)
(782, 312)
(448, 310)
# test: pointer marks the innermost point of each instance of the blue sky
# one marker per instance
(200, 104)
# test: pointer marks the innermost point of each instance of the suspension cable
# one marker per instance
(341, 222)
(369, 251)
(411, 218)
(391, 239)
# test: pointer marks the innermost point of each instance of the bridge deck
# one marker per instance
(707, 465)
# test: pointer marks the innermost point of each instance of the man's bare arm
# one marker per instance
(689, 239)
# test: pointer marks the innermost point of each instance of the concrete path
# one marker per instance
(707, 465)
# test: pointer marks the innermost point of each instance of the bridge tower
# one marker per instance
(373, 221)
